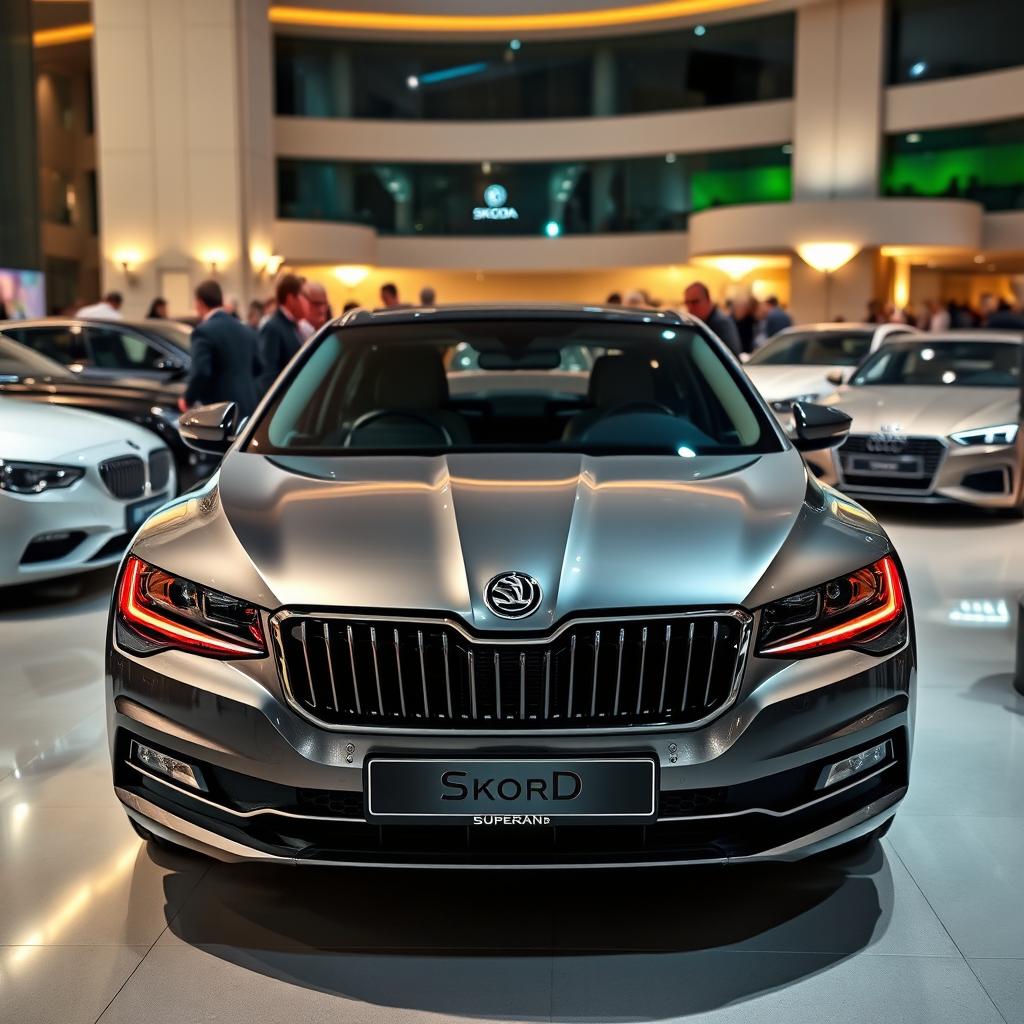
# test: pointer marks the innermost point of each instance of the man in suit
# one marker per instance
(281, 336)
(776, 319)
(697, 300)
(225, 361)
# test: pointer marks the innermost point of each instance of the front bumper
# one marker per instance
(742, 788)
(985, 476)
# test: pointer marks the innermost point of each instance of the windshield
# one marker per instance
(965, 364)
(19, 361)
(642, 388)
(814, 348)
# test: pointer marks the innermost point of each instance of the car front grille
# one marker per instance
(929, 449)
(400, 673)
(159, 469)
(125, 477)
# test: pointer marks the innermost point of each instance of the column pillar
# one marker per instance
(20, 244)
(184, 123)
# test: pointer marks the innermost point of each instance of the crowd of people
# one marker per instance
(236, 358)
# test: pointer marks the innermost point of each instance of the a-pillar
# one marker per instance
(184, 121)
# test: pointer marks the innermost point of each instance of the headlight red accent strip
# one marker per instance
(132, 606)
(870, 622)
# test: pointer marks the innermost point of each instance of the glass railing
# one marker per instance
(984, 163)
(655, 193)
(704, 66)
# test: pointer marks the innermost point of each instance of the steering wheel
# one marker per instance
(381, 414)
(632, 407)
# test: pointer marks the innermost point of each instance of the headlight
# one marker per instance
(1005, 434)
(36, 477)
(786, 404)
(863, 610)
(157, 612)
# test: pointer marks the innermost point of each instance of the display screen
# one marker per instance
(22, 294)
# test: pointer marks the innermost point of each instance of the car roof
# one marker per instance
(967, 334)
(833, 325)
(511, 311)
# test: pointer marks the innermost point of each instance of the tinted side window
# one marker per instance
(59, 343)
(115, 349)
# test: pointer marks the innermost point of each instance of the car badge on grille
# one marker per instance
(512, 595)
(888, 440)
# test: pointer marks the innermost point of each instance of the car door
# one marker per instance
(116, 352)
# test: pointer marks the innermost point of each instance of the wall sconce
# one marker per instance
(266, 264)
(214, 259)
(827, 257)
(350, 275)
(128, 260)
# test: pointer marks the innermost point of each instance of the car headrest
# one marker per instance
(409, 378)
(621, 380)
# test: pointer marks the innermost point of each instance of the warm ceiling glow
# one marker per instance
(390, 21)
(738, 267)
(827, 257)
(64, 34)
(214, 257)
(350, 275)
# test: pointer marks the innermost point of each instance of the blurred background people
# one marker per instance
(318, 308)
(389, 296)
(280, 336)
(157, 309)
(254, 314)
(428, 297)
(697, 300)
(109, 308)
(225, 363)
(775, 318)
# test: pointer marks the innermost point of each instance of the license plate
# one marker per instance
(892, 465)
(515, 792)
(138, 512)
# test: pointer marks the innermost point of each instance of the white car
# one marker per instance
(74, 488)
(803, 364)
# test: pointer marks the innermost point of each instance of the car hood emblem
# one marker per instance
(889, 438)
(512, 595)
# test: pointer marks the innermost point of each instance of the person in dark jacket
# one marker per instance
(281, 336)
(225, 360)
(697, 300)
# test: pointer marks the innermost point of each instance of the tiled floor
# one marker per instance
(930, 929)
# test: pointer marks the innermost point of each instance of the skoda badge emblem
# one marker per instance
(512, 595)
(495, 195)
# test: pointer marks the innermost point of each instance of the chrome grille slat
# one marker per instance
(711, 663)
(376, 669)
(352, 663)
(640, 678)
(539, 682)
(423, 674)
(330, 665)
(447, 674)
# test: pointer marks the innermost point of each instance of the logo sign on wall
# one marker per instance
(495, 198)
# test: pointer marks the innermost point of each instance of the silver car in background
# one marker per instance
(519, 623)
(936, 418)
(806, 363)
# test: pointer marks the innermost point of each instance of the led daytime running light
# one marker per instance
(869, 622)
(134, 612)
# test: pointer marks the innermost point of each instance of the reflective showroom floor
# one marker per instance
(95, 926)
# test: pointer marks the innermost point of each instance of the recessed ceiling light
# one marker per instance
(918, 69)
(787, 148)
(980, 258)
(670, 158)
(914, 137)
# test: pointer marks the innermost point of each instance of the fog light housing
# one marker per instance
(164, 764)
(855, 764)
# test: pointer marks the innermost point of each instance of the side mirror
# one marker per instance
(209, 428)
(835, 377)
(819, 426)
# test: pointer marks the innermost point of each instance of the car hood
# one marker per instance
(47, 433)
(428, 533)
(929, 411)
(132, 390)
(777, 383)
